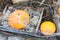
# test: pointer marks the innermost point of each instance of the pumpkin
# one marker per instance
(47, 28)
(59, 10)
(18, 19)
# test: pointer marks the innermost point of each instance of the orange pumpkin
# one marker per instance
(59, 10)
(18, 19)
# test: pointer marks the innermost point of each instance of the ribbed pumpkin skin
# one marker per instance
(18, 19)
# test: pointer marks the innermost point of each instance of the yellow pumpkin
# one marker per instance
(18, 19)
(47, 28)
